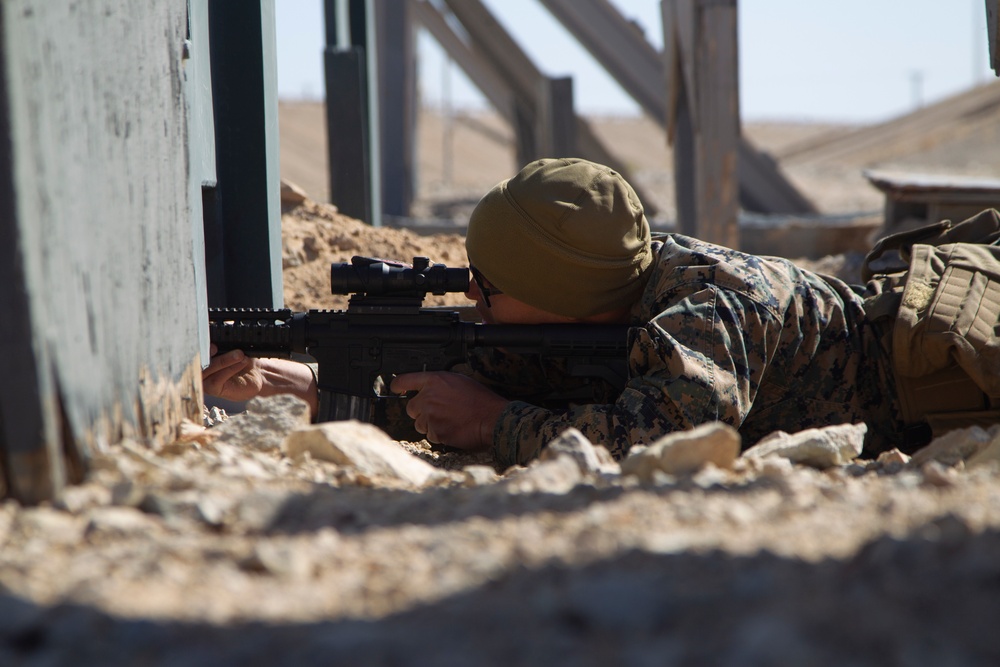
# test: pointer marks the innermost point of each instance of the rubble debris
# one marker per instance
(685, 452)
(817, 447)
(956, 446)
(361, 446)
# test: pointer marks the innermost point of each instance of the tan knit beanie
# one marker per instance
(565, 235)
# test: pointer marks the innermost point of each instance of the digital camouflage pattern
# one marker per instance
(719, 335)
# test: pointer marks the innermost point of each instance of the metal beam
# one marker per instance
(556, 119)
(511, 81)
(243, 250)
(619, 46)
(479, 70)
(397, 103)
(623, 50)
(993, 26)
(347, 132)
(488, 38)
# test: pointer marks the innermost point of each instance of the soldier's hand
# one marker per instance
(451, 409)
(233, 376)
(237, 377)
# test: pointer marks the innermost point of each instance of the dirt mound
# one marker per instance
(316, 235)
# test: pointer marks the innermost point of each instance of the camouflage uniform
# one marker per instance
(720, 335)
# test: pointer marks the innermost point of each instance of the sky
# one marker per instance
(849, 61)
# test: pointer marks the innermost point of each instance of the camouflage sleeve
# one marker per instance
(699, 360)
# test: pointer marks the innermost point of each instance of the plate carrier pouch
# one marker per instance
(934, 292)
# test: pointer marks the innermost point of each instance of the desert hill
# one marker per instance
(462, 155)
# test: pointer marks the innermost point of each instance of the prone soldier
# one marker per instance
(714, 334)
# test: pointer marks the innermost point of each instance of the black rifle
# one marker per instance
(385, 332)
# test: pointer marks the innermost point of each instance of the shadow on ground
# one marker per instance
(931, 598)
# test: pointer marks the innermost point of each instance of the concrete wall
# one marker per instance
(98, 289)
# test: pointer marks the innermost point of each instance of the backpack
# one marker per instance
(934, 293)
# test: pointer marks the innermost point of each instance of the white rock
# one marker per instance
(558, 475)
(76, 499)
(608, 464)
(260, 510)
(291, 193)
(709, 475)
(817, 447)
(990, 454)
(361, 446)
(937, 474)
(575, 445)
(954, 446)
(774, 467)
(478, 475)
(685, 452)
(892, 457)
(281, 560)
(121, 521)
(51, 524)
(265, 423)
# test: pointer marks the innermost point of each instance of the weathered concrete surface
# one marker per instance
(99, 332)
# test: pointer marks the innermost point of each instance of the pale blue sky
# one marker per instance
(845, 61)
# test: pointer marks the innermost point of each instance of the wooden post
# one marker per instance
(700, 47)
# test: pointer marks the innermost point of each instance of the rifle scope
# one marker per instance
(381, 277)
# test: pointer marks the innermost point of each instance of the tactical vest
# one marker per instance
(934, 293)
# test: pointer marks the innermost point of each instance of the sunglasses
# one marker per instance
(486, 288)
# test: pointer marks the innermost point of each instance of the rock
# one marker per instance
(212, 511)
(265, 423)
(816, 447)
(189, 432)
(127, 493)
(775, 467)
(685, 452)
(292, 194)
(48, 523)
(279, 560)
(212, 416)
(892, 457)
(576, 446)
(709, 476)
(954, 446)
(477, 475)
(120, 522)
(937, 474)
(556, 476)
(260, 510)
(361, 446)
(607, 461)
(986, 456)
(76, 499)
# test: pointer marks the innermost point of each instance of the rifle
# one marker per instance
(385, 331)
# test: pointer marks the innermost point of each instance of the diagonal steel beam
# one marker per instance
(623, 50)
(508, 78)
(476, 67)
